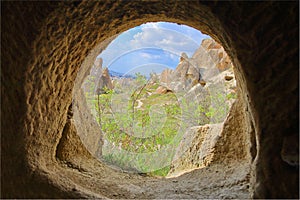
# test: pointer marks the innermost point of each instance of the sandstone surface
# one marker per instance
(196, 149)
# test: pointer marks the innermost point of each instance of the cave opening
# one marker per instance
(45, 47)
(157, 97)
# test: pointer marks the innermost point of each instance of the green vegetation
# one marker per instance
(142, 124)
(137, 122)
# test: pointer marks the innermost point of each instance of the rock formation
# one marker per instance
(104, 82)
(211, 55)
(185, 76)
(199, 80)
(162, 90)
(209, 60)
(202, 146)
(196, 149)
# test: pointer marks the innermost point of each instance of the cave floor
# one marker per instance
(217, 181)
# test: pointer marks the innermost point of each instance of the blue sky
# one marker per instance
(151, 47)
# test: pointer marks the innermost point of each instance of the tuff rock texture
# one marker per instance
(206, 145)
(217, 54)
(208, 60)
(43, 46)
(196, 149)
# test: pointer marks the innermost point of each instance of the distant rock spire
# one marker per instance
(183, 57)
(104, 82)
(98, 62)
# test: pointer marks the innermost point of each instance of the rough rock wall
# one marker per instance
(223, 143)
(234, 141)
(86, 126)
(196, 149)
(268, 59)
(17, 40)
(44, 45)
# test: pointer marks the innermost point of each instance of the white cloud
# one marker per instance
(152, 35)
(149, 56)
(145, 43)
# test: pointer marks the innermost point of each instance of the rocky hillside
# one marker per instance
(208, 73)
(208, 61)
(205, 81)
